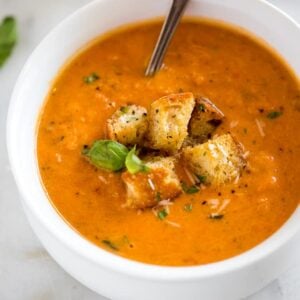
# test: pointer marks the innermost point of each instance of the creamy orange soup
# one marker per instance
(260, 98)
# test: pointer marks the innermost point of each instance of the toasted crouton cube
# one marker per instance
(168, 121)
(128, 125)
(189, 141)
(219, 160)
(146, 189)
(206, 117)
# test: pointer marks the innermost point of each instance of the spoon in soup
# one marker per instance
(165, 36)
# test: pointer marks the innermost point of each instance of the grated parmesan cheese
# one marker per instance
(102, 179)
(214, 203)
(224, 205)
(236, 181)
(190, 176)
(260, 127)
(58, 157)
(173, 224)
(246, 154)
(151, 184)
(165, 202)
(233, 124)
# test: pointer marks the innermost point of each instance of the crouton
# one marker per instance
(128, 125)
(189, 141)
(146, 189)
(206, 117)
(168, 121)
(219, 160)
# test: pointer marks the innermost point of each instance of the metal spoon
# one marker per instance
(165, 36)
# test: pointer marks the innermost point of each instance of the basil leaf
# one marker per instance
(201, 178)
(8, 38)
(162, 214)
(124, 109)
(91, 78)
(158, 196)
(189, 189)
(110, 244)
(188, 207)
(274, 114)
(201, 107)
(133, 163)
(107, 155)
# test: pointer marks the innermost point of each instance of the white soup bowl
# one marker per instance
(107, 274)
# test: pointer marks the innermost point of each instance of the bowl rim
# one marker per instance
(87, 250)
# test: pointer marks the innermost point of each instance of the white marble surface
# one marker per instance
(26, 270)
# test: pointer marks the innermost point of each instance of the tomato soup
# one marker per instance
(254, 88)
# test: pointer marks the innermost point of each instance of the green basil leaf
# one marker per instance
(8, 38)
(133, 163)
(274, 114)
(110, 245)
(162, 214)
(201, 107)
(91, 78)
(124, 109)
(158, 196)
(188, 207)
(189, 189)
(201, 178)
(106, 154)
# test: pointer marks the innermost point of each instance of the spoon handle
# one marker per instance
(165, 36)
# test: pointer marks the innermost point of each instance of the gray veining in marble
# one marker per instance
(26, 270)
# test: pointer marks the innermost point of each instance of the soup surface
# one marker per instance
(260, 98)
